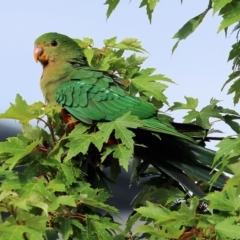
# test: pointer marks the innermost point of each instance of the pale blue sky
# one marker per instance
(199, 65)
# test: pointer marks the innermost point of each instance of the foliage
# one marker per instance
(51, 182)
(229, 10)
(221, 220)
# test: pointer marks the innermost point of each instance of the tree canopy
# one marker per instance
(46, 186)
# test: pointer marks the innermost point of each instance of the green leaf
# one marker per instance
(156, 212)
(151, 86)
(38, 201)
(231, 77)
(235, 87)
(34, 133)
(66, 228)
(164, 196)
(191, 116)
(207, 112)
(150, 6)
(66, 173)
(15, 232)
(112, 4)
(227, 110)
(81, 143)
(85, 43)
(101, 227)
(131, 221)
(218, 4)
(202, 118)
(120, 126)
(66, 200)
(175, 46)
(34, 222)
(51, 234)
(147, 71)
(228, 148)
(122, 153)
(189, 211)
(95, 198)
(191, 103)
(18, 147)
(100, 205)
(235, 179)
(22, 111)
(78, 224)
(231, 16)
(234, 53)
(190, 26)
(104, 63)
(224, 201)
(110, 42)
(89, 53)
(132, 44)
(166, 232)
(228, 119)
(57, 186)
(133, 61)
(228, 229)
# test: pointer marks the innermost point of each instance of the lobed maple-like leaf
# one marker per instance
(224, 201)
(22, 111)
(17, 147)
(230, 14)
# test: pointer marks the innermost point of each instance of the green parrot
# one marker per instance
(91, 96)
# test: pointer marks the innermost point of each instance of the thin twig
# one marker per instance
(78, 217)
(50, 129)
(219, 120)
(211, 138)
(79, 202)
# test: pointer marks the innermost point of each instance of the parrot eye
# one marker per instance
(54, 43)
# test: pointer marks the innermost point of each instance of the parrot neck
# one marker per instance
(54, 74)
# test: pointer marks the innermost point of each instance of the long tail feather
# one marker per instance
(183, 160)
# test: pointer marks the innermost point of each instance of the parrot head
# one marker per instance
(59, 56)
(54, 47)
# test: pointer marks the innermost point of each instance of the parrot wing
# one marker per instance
(92, 96)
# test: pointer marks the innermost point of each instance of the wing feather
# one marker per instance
(94, 97)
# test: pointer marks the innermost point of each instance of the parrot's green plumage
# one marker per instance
(91, 96)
